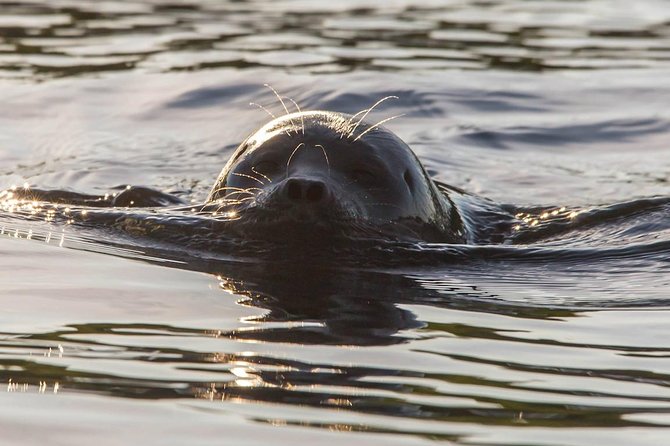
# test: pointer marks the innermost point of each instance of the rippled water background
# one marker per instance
(534, 104)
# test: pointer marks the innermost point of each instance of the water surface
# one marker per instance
(555, 336)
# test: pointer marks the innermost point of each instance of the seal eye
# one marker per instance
(266, 167)
(363, 177)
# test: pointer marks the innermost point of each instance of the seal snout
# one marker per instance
(305, 191)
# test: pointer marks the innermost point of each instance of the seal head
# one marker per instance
(324, 173)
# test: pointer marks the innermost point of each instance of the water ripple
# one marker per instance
(65, 38)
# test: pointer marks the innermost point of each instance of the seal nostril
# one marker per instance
(294, 191)
(304, 190)
(314, 192)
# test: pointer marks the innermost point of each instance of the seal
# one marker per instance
(305, 177)
(321, 172)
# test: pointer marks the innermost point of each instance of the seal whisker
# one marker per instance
(253, 169)
(234, 202)
(228, 205)
(325, 155)
(249, 176)
(353, 116)
(241, 189)
(226, 218)
(291, 157)
(264, 109)
(302, 117)
(223, 205)
(235, 198)
(347, 125)
(377, 125)
(236, 190)
(268, 112)
(228, 201)
(351, 133)
(230, 194)
(242, 200)
(280, 100)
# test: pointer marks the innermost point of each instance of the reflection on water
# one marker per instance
(371, 344)
(553, 112)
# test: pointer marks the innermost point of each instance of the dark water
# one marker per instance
(556, 334)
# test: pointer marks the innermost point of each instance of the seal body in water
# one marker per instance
(315, 178)
(306, 176)
(324, 173)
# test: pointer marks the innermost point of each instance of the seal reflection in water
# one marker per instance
(321, 173)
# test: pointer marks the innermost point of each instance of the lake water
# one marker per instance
(557, 336)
